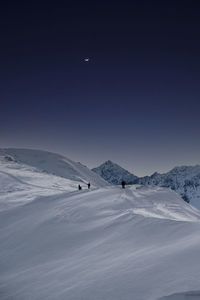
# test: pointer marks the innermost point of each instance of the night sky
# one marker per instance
(136, 101)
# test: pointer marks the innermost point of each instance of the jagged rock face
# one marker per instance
(185, 180)
(114, 174)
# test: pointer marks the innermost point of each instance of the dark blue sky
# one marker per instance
(137, 100)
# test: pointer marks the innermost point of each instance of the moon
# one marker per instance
(87, 59)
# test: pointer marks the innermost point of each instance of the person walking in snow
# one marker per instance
(79, 187)
(88, 185)
(123, 184)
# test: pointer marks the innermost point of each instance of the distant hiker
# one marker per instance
(79, 187)
(123, 184)
(88, 185)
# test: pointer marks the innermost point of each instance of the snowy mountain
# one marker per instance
(107, 243)
(52, 163)
(27, 174)
(184, 180)
(114, 174)
(138, 243)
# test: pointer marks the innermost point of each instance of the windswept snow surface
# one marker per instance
(194, 295)
(185, 180)
(27, 174)
(141, 243)
(53, 163)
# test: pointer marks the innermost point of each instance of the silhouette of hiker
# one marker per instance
(123, 184)
(79, 187)
(88, 185)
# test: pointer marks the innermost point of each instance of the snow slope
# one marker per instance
(27, 174)
(185, 180)
(193, 295)
(114, 174)
(140, 243)
(53, 163)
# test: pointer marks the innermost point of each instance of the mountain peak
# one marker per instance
(50, 163)
(109, 162)
(185, 180)
(114, 174)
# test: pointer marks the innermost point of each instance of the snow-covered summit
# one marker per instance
(52, 163)
(114, 174)
(101, 243)
(26, 174)
(185, 180)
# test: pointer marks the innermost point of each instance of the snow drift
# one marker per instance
(27, 174)
(140, 243)
(185, 180)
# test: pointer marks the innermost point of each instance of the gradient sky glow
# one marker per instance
(136, 101)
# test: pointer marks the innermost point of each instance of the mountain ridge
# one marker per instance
(51, 163)
(58, 242)
(185, 180)
(26, 174)
(114, 174)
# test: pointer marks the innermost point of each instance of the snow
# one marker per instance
(52, 163)
(185, 180)
(28, 174)
(138, 243)
(194, 295)
(114, 174)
